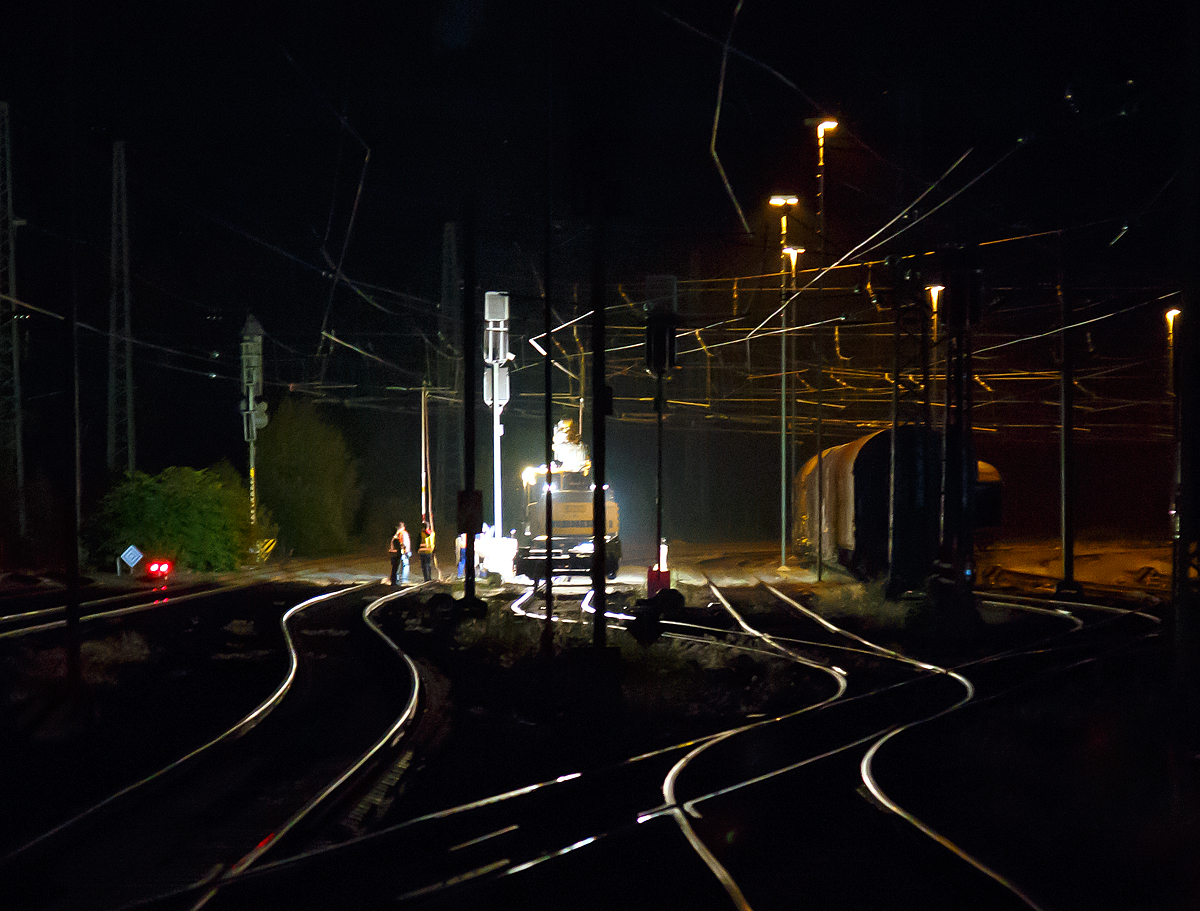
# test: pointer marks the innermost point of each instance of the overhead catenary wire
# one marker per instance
(712, 143)
(1003, 158)
(855, 249)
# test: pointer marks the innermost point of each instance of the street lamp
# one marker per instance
(784, 202)
(825, 126)
(935, 296)
(1179, 558)
(1171, 316)
(792, 253)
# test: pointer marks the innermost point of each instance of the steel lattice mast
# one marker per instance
(121, 438)
(11, 419)
(911, 492)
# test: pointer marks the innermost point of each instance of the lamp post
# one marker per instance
(1178, 563)
(935, 297)
(825, 126)
(783, 201)
(1171, 315)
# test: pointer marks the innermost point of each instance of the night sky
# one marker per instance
(266, 142)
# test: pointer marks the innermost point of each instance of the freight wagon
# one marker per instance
(856, 486)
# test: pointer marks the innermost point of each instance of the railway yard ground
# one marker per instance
(1078, 779)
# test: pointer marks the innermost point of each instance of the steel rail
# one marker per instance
(868, 778)
(390, 738)
(869, 649)
(1032, 601)
(878, 793)
(110, 614)
(509, 864)
(670, 808)
(239, 729)
(671, 804)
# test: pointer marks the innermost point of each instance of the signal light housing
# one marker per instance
(158, 569)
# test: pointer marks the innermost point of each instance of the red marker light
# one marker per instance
(158, 568)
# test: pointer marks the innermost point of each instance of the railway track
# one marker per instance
(860, 743)
(341, 709)
(771, 807)
(506, 843)
(184, 668)
(46, 611)
(714, 788)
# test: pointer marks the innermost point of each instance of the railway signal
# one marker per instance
(496, 388)
(661, 321)
(254, 414)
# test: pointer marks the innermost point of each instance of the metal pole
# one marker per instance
(74, 645)
(820, 456)
(783, 460)
(130, 427)
(8, 267)
(1066, 460)
(820, 354)
(251, 434)
(497, 431)
(426, 504)
(793, 405)
(658, 498)
(253, 489)
(600, 408)
(897, 304)
(548, 378)
(112, 320)
(469, 390)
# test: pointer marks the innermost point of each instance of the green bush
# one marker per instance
(183, 514)
(307, 475)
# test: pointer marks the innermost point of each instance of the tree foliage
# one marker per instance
(308, 478)
(187, 515)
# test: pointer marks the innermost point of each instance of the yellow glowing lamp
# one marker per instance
(825, 126)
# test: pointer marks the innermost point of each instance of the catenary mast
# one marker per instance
(10, 348)
(121, 438)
